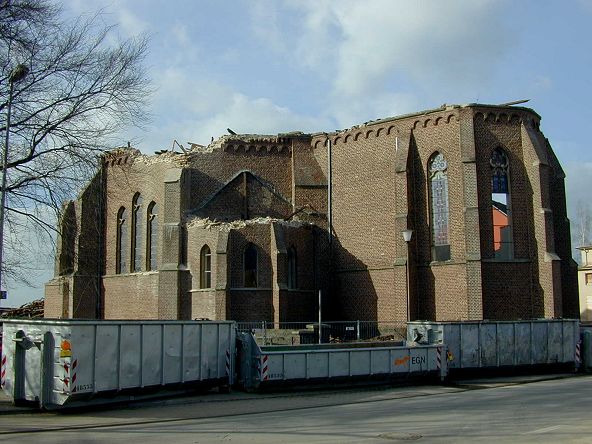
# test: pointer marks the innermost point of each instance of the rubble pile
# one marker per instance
(238, 224)
(174, 158)
(32, 310)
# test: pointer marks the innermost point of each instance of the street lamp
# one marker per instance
(407, 238)
(16, 75)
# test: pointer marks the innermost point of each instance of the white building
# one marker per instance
(585, 283)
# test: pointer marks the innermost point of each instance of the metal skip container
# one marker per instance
(260, 367)
(490, 344)
(60, 362)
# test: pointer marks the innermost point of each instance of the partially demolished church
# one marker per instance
(253, 227)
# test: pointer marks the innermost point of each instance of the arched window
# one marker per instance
(137, 257)
(121, 249)
(503, 245)
(205, 267)
(183, 245)
(292, 269)
(250, 266)
(439, 212)
(152, 237)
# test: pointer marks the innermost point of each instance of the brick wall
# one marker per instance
(508, 287)
(371, 207)
(444, 290)
(213, 170)
(245, 302)
(131, 296)
(500, 285)
(298, 304)
(203, 300)
(123, 182)
(380, 187)
(57, 303)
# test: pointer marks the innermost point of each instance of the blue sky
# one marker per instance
(263, 66)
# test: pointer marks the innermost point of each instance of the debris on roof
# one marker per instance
(31, 310)
(163, 156)
(238, 224)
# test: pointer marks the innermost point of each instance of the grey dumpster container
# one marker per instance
(481, 344)
(331, 362)
(60, 362)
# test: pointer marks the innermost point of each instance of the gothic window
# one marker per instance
(292, 269)
(121, 250)
(183, 245)
(439, 211)
(205, 266)
(503, 245)
(137, 257)
(250, 266)
(152, 237)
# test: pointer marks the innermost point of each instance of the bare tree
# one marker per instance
(583, 224)
(83, 86)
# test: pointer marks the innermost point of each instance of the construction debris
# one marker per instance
(238, 224)
(32, 310)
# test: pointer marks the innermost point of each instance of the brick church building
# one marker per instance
(252, 227)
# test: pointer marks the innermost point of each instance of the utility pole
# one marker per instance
(17, 74)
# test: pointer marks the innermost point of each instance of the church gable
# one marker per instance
(245, 196)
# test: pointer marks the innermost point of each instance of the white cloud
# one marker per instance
(348, 112)
(129, 23)
(181, 35)
(257, 115)
(182, 92)
(194, 108)
(265, 24)
(362, 44)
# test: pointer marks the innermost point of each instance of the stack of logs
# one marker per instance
(32, 310)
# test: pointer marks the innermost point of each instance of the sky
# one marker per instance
(264, 66)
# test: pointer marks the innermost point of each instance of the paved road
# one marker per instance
(545, 411)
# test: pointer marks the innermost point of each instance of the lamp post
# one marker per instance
(16, 75)
(407, 238)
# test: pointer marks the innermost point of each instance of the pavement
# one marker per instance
(402, 391)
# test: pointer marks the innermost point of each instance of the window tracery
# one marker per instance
(439, 210)
(121, 250)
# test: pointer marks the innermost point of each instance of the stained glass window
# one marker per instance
(499, 173)
(438, 173)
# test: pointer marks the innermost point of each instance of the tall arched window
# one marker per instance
(183, 245)
(250, 266)
(439, 212)
(152, 237)
(137, 257)
(121, 248)
(205, 267)
(503, 244)
(292, 269)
